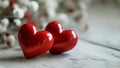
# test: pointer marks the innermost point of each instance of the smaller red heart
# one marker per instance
(64, 40)
(34, 42)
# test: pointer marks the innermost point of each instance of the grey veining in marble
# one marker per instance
(84, 55)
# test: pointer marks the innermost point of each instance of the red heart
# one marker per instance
(64, 40)
(34, 42)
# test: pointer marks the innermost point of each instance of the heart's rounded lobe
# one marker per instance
(64, 40)
(34, 42)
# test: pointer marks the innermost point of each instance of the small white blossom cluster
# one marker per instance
(12, 14)
(64, 11)
(41, 12)
(6, 36)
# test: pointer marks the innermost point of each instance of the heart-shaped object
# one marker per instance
(64, 40)
(34, 42)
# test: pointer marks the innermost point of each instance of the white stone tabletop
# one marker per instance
(84, 55)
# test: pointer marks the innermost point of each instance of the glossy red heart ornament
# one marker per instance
(64, 40)
(34, 42)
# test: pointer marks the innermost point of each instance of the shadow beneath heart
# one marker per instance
(13, 58)
(4, 48)
(20, 58)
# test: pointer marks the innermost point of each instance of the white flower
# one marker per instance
(18, 13)
(4, 3)
(51, 13)
(34, 6)
(51, 4)
(3, 25)
(17, 22)
(63, 18)
(5, 22)
(10, 40)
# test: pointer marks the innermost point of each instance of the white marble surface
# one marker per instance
(84, 55)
